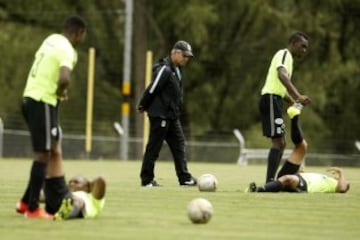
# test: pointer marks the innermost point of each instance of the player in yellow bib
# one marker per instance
(307, 183)
(46, 86)
(55, 53)
(291, 179)
(92, 206)
(278, 86)
(317, 182)
(80, 198)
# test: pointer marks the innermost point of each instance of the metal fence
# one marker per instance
(16, 144)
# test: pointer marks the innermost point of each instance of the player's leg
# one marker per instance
(37, 117)
(158, 129)
(294, 112)
(55, 166)
(284, 183)
(176, 141)
(273, 127)
(55, 190)
(55, 187)
(31, 196)
(296, 158)
(274, 157)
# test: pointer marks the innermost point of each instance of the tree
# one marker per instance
(233, 41)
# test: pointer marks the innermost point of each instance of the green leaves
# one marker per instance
(233, 42)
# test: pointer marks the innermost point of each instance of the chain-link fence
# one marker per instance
(16, 144)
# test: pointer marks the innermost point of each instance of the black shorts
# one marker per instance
(55, 190)
(302, 186)
(271, 108)
(43, 123)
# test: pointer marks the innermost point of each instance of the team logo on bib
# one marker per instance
(279, 121)
(163, 123)
(279, 125)
(54, 132)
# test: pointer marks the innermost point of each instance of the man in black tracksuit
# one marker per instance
(162, 101)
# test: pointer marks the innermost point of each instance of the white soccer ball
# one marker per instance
(207, 183)
(200, 210)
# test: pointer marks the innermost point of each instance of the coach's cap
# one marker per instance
(184, 47)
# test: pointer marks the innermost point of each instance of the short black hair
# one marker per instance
(74, 23)
(297, 36)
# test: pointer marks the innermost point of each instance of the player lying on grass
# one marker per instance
(290, 179)
(80, 199)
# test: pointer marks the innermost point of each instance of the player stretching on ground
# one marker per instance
(46, 87)
(81, 198)
(289, 178)
(278, 86)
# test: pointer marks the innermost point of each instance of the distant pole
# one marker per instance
(120, 131)
(1, 137)
(89, 102)
(357, 145)
(148, 76)
(126, 86)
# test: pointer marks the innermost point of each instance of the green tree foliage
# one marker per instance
(223, 83)
(233, 42)
(25, 24)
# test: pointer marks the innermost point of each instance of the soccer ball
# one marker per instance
(200, 210)
(207, 183)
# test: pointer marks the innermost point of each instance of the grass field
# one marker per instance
(132, 212)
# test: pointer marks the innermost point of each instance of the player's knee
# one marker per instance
(304, 145)
(279, 143)
(286, 180)
(43, 157)
(98, 187)
(100, 180)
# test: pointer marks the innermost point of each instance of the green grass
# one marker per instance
(132, 212)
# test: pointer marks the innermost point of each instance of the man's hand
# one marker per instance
(342, 186)
(62, 94)
(303, 99)
(335, 171)
(140, 109)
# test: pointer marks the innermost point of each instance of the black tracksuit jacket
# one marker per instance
(163, 97)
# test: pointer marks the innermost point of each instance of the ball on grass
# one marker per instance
(200, 210)
(207, 183)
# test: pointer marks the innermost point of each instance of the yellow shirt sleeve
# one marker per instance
(273, 84)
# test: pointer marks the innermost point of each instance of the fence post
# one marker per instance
(357, 145)
(242, 160)
(120, 131)
(1, 137)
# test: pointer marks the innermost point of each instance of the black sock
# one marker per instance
(273, 163)
(274, 186)
(25, 197)
(37, 176)
(288, 168)
(296, 132)
(55, 190)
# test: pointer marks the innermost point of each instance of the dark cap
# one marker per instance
(184, 47)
